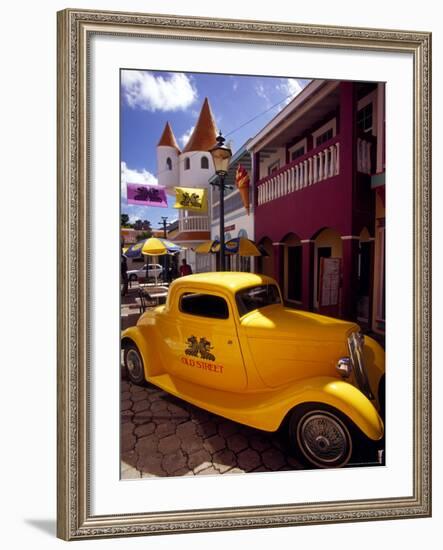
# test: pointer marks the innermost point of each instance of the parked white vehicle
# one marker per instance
(155, 271)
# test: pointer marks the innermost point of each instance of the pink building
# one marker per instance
(319, 188)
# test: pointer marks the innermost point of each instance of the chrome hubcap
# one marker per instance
(134, 364)
(324, 439)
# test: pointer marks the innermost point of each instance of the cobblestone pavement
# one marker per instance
(164, 436)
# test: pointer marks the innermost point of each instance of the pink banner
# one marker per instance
(146, 195)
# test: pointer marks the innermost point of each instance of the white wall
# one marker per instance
(195, 176)
(166, 177)
(28, 361)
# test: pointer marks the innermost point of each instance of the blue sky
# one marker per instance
(241, 106)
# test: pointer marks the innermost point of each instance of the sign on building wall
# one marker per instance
(330, 277)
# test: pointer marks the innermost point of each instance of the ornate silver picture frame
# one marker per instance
(76, 29)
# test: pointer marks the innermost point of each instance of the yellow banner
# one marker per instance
(189, 198)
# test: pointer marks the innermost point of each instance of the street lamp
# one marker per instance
(221, 155)
(163, 223)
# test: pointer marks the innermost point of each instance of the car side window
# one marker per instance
(204, 305)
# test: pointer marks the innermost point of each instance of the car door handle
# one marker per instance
(229, 341)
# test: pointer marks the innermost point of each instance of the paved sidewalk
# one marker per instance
(164, 436)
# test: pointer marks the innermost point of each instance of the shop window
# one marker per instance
(325, 136)
(325, 132)
(297, 153)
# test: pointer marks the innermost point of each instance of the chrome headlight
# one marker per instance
(344, 367)
(356, 341)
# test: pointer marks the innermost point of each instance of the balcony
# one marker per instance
(193, 223)
(315, 166)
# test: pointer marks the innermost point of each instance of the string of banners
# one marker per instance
(146, 195)
(190, 198)
(186, 198)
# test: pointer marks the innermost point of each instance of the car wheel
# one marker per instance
(320, 436)
(134, 364)
(132, 278)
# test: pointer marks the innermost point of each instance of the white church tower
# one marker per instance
(168, 160)
(193, 167)
(196, 165)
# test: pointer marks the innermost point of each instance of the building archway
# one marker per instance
(265, 264)
(327, 244)
(293, 269)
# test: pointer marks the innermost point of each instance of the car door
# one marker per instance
(202, 345)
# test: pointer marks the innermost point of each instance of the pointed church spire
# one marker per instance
(168, 138)
(205, 132)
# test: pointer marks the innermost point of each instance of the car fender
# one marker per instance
(340, 395)
(144, 337)
(374, 356)
(267, 410)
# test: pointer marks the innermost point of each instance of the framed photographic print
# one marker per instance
(243, 274)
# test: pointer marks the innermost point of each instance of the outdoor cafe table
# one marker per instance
(154, 292)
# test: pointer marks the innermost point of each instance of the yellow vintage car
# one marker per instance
(226, 343)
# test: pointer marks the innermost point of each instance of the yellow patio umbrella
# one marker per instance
(208, 247)
(155, 246)
(243, 247)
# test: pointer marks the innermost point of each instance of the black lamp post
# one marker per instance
(165, 236)
(221, 155)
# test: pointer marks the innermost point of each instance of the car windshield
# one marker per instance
(256, 297)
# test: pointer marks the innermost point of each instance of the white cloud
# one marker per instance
(157, 93)
(136, 213)
(290, 87)
(127, 175)
(261, 92)
(185, 137)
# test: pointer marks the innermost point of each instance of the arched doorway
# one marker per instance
(292, 279)
(327, 245)
(265, 265)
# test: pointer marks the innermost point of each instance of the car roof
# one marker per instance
(224, 280)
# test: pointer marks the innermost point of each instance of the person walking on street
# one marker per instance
(185, 269)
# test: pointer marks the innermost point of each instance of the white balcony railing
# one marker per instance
(310, 169)
(193, 223)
